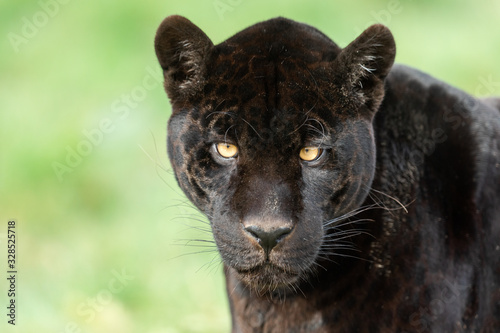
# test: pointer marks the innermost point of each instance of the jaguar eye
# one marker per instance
(227, 150)
(310, 154)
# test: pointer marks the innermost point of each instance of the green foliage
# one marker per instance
(83, 164)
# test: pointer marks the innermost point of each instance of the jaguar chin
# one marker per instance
(268, 278)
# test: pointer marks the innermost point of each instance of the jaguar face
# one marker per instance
(271, 138)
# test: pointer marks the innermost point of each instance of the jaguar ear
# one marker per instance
(362, 66)
(182, 49)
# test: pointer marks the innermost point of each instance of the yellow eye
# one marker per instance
(309, 154)
(227, 150)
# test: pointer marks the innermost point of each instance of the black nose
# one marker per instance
(268, 238)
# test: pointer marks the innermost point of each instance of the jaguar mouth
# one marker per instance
(268, 278)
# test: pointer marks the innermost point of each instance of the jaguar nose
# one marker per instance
(268, 239)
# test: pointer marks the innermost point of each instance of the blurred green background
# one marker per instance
(102, 227)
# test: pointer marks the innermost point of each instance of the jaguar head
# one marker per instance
(271, 137)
